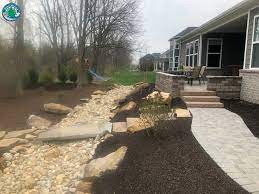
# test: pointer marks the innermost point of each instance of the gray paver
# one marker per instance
(226, 138)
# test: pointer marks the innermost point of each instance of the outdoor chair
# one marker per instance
(195, 75)
(203, 73)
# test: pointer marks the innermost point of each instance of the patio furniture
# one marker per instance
(195, 75)
(203, 73)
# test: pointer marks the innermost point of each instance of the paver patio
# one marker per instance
(227, 139)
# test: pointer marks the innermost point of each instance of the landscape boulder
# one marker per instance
(119, 101)
(19, 134)
(7, 144)
(38, 122)
(135, 125)
(110, 162)
(85, 186)
(131, 106)
(139, 92)
(99, 92)
(2, 134)
(30, 137)
(182, 113)
(164, 97)
(57, 108)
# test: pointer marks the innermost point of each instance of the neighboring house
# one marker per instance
(174, 58)
(226, 44)
(162, 64)
(147, 62)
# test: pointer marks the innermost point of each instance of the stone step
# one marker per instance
(204, 105)
(201, 98)
(198, 93)
(119, 127)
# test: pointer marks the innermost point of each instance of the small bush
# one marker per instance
(62, 75)
(31, 78)
(153, 113)
(73, 76)
(46, 78)
(89, 77)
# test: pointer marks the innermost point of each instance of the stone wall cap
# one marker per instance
(171, 75)
(220, 77)
(249, 71)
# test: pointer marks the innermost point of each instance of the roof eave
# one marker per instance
(206, 26)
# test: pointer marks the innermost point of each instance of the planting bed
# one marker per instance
(247, 111)
(14, 112)
(172, 162)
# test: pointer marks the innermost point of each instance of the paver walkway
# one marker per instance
(227, 139)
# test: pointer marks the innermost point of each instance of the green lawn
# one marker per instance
(131, 77)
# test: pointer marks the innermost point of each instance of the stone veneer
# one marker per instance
(250, 85)
(226, 87)
(170, 83)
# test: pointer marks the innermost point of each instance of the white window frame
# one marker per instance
(253, 43)
(221, 48)
(192, 44)
(177, 46)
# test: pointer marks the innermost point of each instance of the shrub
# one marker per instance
(31, 78)
(62, 75)
(153, 113)
(73, 76)
(46, 77)
(89, 77)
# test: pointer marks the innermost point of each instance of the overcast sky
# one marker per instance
(165, 18)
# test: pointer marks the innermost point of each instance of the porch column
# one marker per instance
(200, 51)
(247, 30)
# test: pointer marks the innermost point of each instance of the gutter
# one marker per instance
(219, 17)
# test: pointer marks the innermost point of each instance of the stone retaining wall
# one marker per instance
(170, 83)
(250, 85)
(227, 87)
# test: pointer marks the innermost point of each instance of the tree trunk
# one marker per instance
(20, 49)
(82, 79)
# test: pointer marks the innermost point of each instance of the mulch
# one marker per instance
(15, 111)
(249, 112)
(172, 162)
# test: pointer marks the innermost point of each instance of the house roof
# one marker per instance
(239, 10)
(182, 33)
(165, 54)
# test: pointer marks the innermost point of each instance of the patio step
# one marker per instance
(201, 98)
(204, 104)
(198, 93)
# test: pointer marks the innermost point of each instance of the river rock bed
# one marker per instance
(39, 168)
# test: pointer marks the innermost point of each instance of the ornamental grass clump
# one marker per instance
(154, 113)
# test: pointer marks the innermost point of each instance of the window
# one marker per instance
(255, 45)
(176, 55)
(214, 53)
(192, 54)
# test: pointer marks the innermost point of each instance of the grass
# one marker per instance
(126, 77)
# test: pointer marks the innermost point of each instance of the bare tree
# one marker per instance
(94, 25)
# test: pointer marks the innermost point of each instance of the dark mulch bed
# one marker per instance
(176, 164)
(15, 111)
(173, 162)
(247, 111)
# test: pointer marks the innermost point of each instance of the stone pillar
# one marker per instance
(170, 83)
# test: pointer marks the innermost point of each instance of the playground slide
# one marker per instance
(98, 77)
